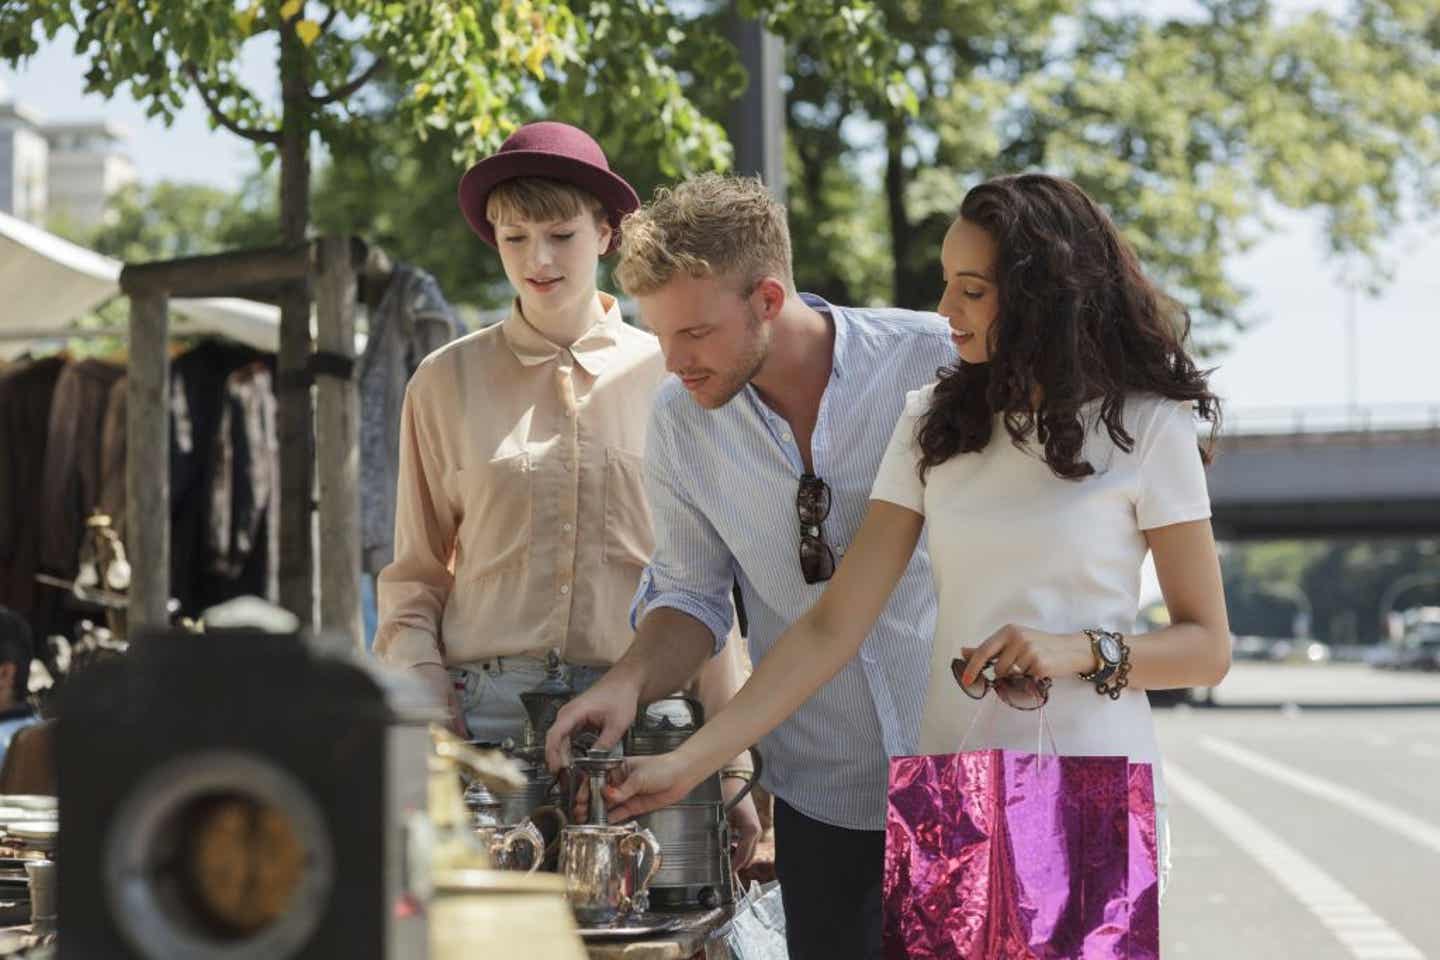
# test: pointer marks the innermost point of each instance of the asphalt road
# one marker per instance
(1309, 831)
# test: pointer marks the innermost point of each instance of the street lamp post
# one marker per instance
(757, 119)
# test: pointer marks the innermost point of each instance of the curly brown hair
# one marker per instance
(1077, 320)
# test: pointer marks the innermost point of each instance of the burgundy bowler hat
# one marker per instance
(554, 151)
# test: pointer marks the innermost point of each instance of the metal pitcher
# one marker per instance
(513, 848)
(544, 701)
(607, 870)
(525, 844)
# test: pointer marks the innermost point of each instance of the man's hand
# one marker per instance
(609, 706)
(442, 689)
(744, 824)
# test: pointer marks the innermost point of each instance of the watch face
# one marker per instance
(1110, 649)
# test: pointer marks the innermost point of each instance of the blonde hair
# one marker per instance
(711, 225)
(538, 200)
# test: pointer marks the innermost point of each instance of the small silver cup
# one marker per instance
(607, 869)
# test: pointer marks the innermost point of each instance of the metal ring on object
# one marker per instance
(151, 918)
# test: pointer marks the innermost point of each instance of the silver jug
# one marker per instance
(513, 848)
(506, 838)
(607, 870)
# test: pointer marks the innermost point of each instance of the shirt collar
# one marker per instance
(592, 351)
(842, 332)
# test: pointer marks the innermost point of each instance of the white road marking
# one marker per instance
(1413, 828)
(1363, 933)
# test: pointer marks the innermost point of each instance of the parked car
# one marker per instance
(1279, 649)
(1418, 649)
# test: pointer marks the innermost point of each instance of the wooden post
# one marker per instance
(147, 462)
(296, 429)
(337, 442)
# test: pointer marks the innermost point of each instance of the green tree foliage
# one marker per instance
(1344, 583)
(167, 219)
(1187, 129)
(470, 71)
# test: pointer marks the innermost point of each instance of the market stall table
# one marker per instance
(680, 943)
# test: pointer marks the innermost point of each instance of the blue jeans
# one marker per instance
(368, 614)
(489, 692)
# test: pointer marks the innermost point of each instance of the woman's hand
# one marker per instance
(649, 783)
(1017, 649)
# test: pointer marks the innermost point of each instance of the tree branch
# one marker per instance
(344, 91)
(329, 19)
(258, 136)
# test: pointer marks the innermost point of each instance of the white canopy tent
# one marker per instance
(47, 283)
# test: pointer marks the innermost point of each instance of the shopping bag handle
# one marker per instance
(1042, 729)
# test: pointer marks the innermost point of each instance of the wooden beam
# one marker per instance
(147, 463)
(337, 444)
(296, 429)
(220, 274)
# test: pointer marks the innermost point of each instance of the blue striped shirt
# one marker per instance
(722, 487)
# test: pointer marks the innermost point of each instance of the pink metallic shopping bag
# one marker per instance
(1020, 856)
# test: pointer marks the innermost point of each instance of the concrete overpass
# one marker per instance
(1367, 471)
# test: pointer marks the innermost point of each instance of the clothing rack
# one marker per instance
(328, 267)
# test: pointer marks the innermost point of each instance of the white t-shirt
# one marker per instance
(1011, 542)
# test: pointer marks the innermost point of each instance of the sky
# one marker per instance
(1294, 354)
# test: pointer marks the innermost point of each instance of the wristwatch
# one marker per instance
(1109, 650)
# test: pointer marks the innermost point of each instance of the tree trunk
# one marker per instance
(900, 238)
(295, 416)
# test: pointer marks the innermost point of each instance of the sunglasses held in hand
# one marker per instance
(1018, 690)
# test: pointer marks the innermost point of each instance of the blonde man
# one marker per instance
(521, 523)
(760, 456)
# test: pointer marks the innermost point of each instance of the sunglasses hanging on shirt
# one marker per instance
(812, 506)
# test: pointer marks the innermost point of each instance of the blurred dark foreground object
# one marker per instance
(242, 795)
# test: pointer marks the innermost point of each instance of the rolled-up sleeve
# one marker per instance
(692, 570)
(412, 589)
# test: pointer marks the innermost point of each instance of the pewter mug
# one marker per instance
(513, 848)
(607, 869)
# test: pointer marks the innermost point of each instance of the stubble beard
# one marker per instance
(745, 369)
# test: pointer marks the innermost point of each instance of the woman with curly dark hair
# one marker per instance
(1059, 451)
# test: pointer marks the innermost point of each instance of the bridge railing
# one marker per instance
(1249, 421)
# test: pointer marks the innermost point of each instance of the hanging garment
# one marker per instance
(72, 460)
(243, 532)
(197, 401)
(412, 320)
(26, 391)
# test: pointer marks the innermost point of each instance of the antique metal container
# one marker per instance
(544, 701)
(694, 833)
(608, 869)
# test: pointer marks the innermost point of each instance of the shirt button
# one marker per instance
(567, 527)
(569, 466)
(564, 589)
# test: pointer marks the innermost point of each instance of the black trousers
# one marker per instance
(830, 883)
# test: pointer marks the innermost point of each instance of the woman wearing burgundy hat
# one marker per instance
(521, 523)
